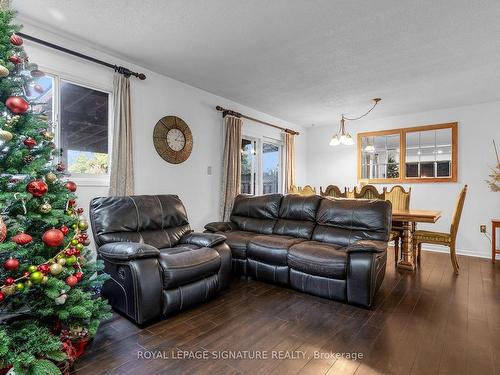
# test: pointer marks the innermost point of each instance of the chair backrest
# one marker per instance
(349, 193)
(455, 219)
(333, 191)
(345, 221)
(399, 198)
(307, 190)
(293, 190)
(157, 220)
(368, 192)
(297, 216)
(256, 213)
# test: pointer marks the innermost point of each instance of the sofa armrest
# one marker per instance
(221, 226)
(203, 239)
(367, 246)
(128, 251)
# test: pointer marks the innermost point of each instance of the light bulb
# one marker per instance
(335, 141)
(348, 140)
(343, 139)
(370, 148)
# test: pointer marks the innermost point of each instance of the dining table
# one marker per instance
(408, 220)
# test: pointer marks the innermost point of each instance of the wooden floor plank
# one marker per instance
(426, 322)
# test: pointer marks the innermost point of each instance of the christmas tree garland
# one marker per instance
(49, 280)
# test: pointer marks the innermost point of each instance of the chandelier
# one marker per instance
(343, 137)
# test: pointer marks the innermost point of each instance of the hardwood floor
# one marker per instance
(427, 322)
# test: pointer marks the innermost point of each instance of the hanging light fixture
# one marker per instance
(343, 137)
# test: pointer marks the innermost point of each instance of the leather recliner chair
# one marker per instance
(332, 248)
(157, 265)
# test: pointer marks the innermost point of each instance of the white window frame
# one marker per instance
(257, 168)
(81, 179)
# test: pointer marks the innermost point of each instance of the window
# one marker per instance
(429, 154)
(81, 118)
(261, 166)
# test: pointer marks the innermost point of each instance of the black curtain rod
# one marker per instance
(226, 112)
(120, 69)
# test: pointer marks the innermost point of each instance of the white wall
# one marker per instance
(478, 125)
(152, 99)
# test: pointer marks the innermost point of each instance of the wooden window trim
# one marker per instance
(402, 154)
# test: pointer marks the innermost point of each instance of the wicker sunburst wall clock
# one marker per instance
(173, 139)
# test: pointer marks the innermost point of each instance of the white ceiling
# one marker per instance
(306, 61)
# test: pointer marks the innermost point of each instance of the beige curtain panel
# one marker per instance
(122, 163)
(231, 172)
(289, 161)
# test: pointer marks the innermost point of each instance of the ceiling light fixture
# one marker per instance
(343, 137)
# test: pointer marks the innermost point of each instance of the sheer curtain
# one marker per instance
(231, 172)
(122, 163)
(289, 161)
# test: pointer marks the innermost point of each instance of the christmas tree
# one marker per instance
(49, 280)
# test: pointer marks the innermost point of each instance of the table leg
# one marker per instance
(407, 262)
(493, 243)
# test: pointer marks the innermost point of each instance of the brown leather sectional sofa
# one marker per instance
(332, 248)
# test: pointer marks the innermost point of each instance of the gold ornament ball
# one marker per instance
(48, 135)
(56, 268)
(9, 290)
(45, 208)
(5, 135)
(45, 279)
(28, 284)
(83, 225)
(51, 177)
(20, 287)
(4, 72)
(61, 261)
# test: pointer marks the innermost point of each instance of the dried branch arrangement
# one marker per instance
(494, 181)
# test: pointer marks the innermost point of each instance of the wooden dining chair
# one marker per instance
(369, 192)
(332, 191)
(439, 238)
(307, 190)
(400, 200)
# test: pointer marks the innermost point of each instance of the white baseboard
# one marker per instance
(467, 253)
(444, 249)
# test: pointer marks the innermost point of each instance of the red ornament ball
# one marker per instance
(64, 229)
(37, 188)
(53, 237)
(17, 105)
(3, 230)
(78, 275)
(44, 268)
(14, 59)
(71, 281)
(30, 143)
(22, 239)
(2, 296)
(11, 264)
(9, 281)
(79, 210)
(16, 40)
(71, 186)
(60, 167)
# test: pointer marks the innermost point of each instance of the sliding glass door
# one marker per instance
(261, 166)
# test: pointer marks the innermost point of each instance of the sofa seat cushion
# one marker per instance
(318, 258)
(182, 265)
(271, 249)
(238, 240)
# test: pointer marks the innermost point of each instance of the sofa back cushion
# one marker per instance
(256, 213)
(157, 220)
(297, 216)
(345, 221)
